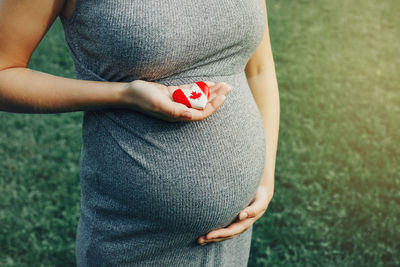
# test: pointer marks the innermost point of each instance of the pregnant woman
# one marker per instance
(162, 184)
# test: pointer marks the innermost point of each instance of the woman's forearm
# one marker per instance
(23, 90)
(265, 91)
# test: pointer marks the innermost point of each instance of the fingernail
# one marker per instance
(202, 241)
(243, 215)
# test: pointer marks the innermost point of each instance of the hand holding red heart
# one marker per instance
(195, 97)
(156, 100)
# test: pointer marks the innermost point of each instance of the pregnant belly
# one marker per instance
(187, 176)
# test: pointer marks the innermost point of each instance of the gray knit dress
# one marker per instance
(150, 188)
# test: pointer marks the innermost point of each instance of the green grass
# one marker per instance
(39, 174)
(337, 197)
(337, 200)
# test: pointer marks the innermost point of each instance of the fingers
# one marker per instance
(215, 88)
(177, 111)
(257, 208)
(254, 211)
(201, 241)
(218, 92)
(210, 108)
(209, 83)
(156, 100)
(218, 95)
(170, 111)
(219, 89)
(172, 88)
(231, 231)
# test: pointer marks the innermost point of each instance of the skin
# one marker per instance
(24, 23)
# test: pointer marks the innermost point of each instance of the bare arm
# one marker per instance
(260, 72)
(27, 91)
(23, 24)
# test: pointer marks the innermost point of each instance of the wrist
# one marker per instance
(269, 190)
(118, 91)
(268, 184)
(129, 94)
(103, 95)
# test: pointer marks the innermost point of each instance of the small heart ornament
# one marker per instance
(195, 97)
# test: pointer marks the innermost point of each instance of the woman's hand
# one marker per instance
(156, 100)
(254, 211)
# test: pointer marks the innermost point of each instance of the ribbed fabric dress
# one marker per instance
(150, 188)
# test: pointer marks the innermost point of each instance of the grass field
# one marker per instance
(337, 197)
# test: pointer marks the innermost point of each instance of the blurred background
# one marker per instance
(337, 192)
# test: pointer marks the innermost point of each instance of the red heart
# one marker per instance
(195, 97)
